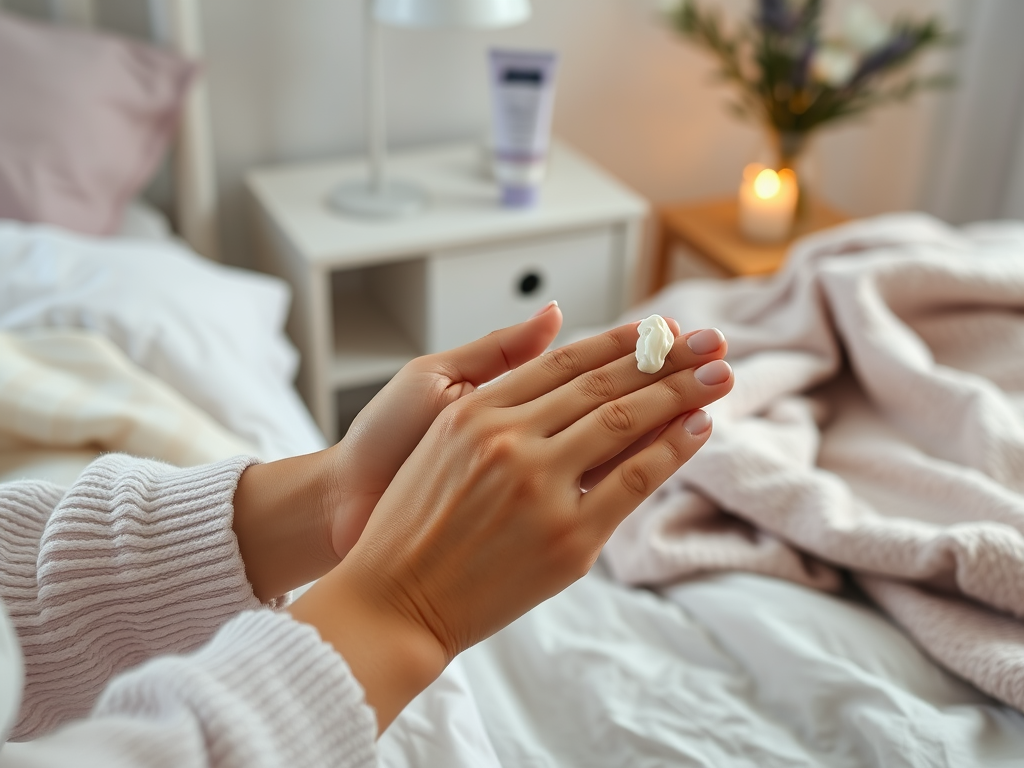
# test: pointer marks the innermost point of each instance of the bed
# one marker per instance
(709, 633)
(870, 456)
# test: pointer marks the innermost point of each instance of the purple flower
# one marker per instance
(784, 17)
(802, 66)
(775, 16)
(900, 45)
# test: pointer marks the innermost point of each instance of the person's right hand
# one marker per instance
(487, 517)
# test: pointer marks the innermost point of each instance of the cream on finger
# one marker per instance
(654, 344)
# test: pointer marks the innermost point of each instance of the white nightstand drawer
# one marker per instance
(476, 290)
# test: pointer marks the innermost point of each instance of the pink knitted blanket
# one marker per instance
(876, 426)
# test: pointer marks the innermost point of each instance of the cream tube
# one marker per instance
(523, 100)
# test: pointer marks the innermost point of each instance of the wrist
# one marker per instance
(393, 658)
(348, 503)
(282, 521)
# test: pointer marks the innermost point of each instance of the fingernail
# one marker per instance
(544, 309)
(706, 341)
(697, 423)
(715, 372)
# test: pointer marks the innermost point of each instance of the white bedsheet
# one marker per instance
(731, 670)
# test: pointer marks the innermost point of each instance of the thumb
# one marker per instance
(500, 351)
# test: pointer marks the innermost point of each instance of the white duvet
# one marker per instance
(214, 334)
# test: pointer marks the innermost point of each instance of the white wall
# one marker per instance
(286, 84)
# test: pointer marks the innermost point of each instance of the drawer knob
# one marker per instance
(530, 283)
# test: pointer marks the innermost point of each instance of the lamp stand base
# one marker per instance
(394, 200)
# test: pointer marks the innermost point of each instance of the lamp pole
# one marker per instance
(379, 197)
(376, 127)
(376, 197)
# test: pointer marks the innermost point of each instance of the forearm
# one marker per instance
(283, 521)
(264, 692)
(136, 559)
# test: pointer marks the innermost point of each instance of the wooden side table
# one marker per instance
(711, 229)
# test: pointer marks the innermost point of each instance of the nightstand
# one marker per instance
(711, 231)
(370, 295)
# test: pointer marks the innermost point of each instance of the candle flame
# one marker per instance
(767, 184)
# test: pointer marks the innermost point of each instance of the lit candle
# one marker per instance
(767, 203)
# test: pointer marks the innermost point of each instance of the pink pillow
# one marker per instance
(84, 120)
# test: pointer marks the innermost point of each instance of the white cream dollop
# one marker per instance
(654, 344)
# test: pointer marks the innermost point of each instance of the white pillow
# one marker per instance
(213, 333)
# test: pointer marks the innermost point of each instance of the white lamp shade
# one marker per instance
(452, 13)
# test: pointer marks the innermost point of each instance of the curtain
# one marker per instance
(977, 163)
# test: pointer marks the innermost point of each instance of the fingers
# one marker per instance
(610, 428)
(608, 503)
(559, 366)
(559, 409)
(499, 352)
(594, 476)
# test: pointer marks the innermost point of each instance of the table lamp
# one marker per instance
(378, 196)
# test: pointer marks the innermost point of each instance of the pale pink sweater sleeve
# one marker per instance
(137, 560)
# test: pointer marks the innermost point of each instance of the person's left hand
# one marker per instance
(387, 430)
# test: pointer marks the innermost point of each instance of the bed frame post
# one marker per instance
(178, 24)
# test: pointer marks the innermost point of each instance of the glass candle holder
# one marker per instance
(767, 203)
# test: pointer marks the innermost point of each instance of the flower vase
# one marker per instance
(790, 148)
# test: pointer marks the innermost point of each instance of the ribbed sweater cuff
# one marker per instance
(159, 537)
(138, 559)
(266, 691)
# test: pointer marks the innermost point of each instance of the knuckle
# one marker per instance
(675, 452)
(459, 416)
(562, 361)
(421, 364)
(613, 342)
(529, 485)
(500, 447)
(676, 386)
(494, 340)
(637, 479)
(678, 357)
(596, 385)
(616, 417)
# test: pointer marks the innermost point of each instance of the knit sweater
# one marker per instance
(141, 638)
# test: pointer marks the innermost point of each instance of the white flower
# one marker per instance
(863, 30)
(833, 65)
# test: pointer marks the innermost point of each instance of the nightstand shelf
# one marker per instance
(370, 295)
(368, 346)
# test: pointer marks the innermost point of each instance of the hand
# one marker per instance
(486, 518)
(296, 518)
(387, 430)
